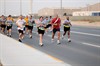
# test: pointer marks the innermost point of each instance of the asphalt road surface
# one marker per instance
(84, 50)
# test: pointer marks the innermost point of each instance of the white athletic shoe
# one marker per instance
(69, 40)
(22, 37)
(30, 36)
(52, 40)
(58, 42)
(41, 44)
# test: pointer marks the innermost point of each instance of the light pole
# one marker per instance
(31, 4)
(61, 8)
(20, 7)
(0, 7)
(4, 7)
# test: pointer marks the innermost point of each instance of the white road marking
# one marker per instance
(91, 45)
(82, 43)
(86, 33)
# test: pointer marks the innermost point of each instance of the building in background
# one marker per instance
(90, 10)
(86, 13)
(53, 11)
(94, 7)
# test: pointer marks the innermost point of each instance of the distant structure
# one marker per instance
(90, 10)
(86, 13)
(53, 11)
(94, 7)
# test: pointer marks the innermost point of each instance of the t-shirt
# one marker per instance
(9, 21)
(0, 21)
(67, 21)
(46, 21)
(26, 20)
(40, 26)
(31, 22)
(3, 21)
(57, 24)
(50, 19)
(21, 23)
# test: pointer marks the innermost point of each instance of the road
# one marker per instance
(84, 50)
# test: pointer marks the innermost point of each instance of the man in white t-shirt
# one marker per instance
(20, 26)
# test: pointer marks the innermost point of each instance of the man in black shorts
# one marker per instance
(67, 25)
(21, 25)
(41, 30)
(9, 24)
(56, 23)
(30, 25)
(3, 23)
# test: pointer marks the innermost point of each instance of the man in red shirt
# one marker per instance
(56, 23)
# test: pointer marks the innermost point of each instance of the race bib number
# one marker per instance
(41, 28)
(67, 26)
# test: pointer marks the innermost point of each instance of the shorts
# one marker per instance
(41, 31)
(21, 31)
(66, 29)
(9, 27)
(55, 30)
(48, 26)
(0, 24)
(30, 27)
(3, 26)
(26, 26)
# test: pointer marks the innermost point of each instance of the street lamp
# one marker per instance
(0, 7)
(61, 8)
(20, 7)
(4, 3)
(31, 2)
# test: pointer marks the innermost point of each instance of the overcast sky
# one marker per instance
(13, 6)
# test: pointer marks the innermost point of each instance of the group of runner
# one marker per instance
(6, 23)
(43, 24)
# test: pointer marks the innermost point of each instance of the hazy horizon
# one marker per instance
(13, 7)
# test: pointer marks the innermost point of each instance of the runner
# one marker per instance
(26, 24)
(56, 23)
(41, 30)
(67, 25)
(9, 25)
(21, 25)
(49, 24)
(46, 21)
(30, 27)
(50, 20)
(3, 23)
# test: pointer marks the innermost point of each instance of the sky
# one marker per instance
(13, 6)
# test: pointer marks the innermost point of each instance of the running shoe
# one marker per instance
(19, 40)
(41, 44)
(30, 36)
(69, 40)
(58, 42)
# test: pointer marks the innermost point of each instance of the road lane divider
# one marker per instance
(86, 33)
(91, 45)
(97, 35)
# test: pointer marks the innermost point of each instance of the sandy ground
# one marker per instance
(86, 23)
